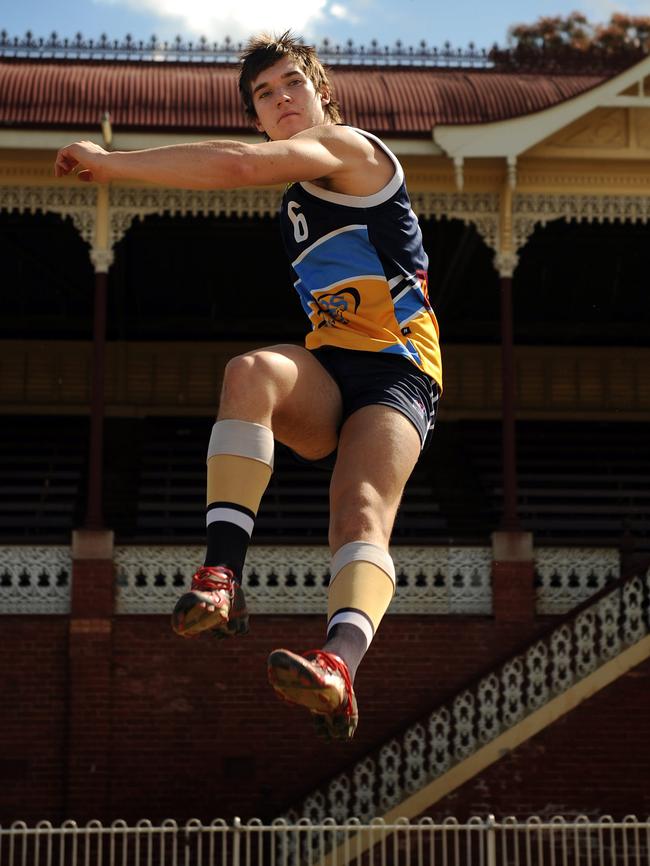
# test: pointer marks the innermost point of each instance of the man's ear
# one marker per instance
(325, 96)
(258, 125)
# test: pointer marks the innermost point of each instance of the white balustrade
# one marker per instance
(35, 579)
(463, 710)
(315, 807)
(488, 724)
(291, 580)
(567, 576)
(561, 646)
(390, 760)
(439, 731)
(364, 785)
(634, 627)
(512, 684)
(339, 797)
(414, 758)
(586, 658)
(609, 613)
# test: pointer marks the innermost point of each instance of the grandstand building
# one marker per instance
(512, 674)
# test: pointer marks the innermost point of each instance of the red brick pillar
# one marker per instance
(89, 675)
(513, 576)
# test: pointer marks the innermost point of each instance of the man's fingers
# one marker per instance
(64, 163)
(83, 156)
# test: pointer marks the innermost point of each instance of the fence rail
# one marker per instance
(478, 842)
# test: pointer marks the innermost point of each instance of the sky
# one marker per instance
(411, 21)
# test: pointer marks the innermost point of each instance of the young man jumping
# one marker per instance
(363, 392)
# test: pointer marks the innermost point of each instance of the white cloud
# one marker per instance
(216, 20)
(342, 13)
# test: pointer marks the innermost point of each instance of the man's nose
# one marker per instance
(283, 97)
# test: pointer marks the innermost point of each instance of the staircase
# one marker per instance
(586, 651)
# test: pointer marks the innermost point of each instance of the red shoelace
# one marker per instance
(328, 662)
(210, 578)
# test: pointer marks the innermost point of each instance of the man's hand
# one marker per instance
(89, 157)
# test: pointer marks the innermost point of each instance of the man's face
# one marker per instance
(285, 100)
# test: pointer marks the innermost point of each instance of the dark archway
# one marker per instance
(584, 284)
(203, 278)
(463, 283)
(47, 278)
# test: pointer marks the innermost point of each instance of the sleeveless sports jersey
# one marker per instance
(361, 271)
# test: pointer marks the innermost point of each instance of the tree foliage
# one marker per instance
(574, 40)
(552, 32)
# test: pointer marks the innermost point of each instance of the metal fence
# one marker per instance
(556, 841)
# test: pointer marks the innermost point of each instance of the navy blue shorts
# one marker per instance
(371, 379)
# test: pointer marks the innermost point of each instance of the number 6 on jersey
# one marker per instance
(298, 221)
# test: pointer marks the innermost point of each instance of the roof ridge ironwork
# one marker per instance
(517, 59)
(229, 51)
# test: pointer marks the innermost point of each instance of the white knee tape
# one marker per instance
(242, 439)
(362, 551)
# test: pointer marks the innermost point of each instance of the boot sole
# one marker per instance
(189, 618)
(294, 679)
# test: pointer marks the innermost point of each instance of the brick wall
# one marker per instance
(33, 711)
(190, 728)
(217, 733)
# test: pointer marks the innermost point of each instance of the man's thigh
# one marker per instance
(308, 408)
(378, 449)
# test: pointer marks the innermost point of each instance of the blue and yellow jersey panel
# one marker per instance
(361, 270)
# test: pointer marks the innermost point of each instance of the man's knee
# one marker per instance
(248, 378)
(359, 513)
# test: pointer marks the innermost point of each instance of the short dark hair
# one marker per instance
(264, 50)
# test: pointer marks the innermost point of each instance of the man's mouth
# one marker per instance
(288, 114)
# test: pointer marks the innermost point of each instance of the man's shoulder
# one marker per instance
(364, 165)
(348, 136)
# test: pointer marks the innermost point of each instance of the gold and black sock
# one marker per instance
(240, 463)
(362, 584)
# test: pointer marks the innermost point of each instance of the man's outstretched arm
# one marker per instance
(217, 164)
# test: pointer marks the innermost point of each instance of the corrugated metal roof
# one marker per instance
(405, 101)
